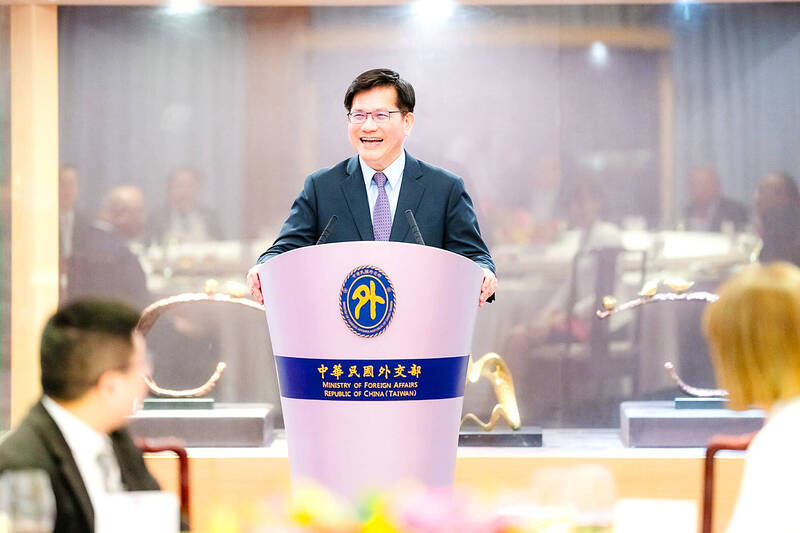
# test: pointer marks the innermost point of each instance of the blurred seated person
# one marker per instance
(549, 324)
(533, 212)
(72, 224)
(104, 263)
(70, 220)
(754, 336)
(708, 209)
(92, 362)
(778, 210)
(182, 219)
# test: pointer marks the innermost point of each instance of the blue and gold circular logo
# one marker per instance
(367, 301)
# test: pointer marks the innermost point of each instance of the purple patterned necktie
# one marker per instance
(381, 216)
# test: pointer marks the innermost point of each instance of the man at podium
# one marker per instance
(367, 196)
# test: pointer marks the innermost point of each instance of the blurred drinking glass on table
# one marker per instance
(27, 504)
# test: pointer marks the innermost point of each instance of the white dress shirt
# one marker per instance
(186, 227)
(768, 493)
(86, 446)
(65, 231)
(394, 177)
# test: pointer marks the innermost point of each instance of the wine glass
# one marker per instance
(27, 504)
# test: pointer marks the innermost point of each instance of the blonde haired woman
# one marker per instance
(754, 334)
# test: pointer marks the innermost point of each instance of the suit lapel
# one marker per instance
(126, 476)
(411, 190)
(55, 442)
(355, 194)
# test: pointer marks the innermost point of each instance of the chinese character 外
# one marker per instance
(364, 295)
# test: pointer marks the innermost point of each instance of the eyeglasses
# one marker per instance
(359, 117)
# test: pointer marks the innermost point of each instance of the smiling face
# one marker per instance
(379, 144)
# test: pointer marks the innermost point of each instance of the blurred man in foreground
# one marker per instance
(92, 362)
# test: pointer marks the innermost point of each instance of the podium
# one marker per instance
(371, 342)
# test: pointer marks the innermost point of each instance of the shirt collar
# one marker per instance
(393, 172)
(80, 437)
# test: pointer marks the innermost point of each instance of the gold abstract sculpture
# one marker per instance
(494, 368)
(156, 309)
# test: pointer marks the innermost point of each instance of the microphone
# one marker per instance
(414, 228)
(323, 238)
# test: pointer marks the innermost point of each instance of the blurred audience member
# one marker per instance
(778, 210)
(585, 214)
(754, 335)
(533, 211)
(182, 219)
(92, 362)
(73, 226)
(105, 264)
(123, 213)
(593, 233)
(534, 346)
(708, 209)
(70, 221)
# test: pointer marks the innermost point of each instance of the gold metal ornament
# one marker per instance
(211, 286)
(649, 295)
(701, 296)
(494, 368)
(236, 290)
(156, 309)
(650, 288)
(187, 393)
(679, 285)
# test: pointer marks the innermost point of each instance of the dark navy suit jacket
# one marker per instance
(39, 444)
(441, 206)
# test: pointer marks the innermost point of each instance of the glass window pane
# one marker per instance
(575, 129)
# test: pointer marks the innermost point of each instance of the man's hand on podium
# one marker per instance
(255, 284)
(487, 288)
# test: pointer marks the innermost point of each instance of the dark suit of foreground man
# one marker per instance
(92, 365)
(370, 193)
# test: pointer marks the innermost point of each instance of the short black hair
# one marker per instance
(382, 77)
(81, 341)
